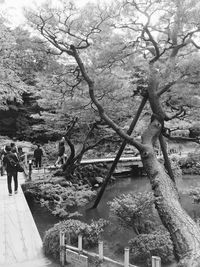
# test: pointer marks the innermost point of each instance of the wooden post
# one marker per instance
(26, 159)
(126, 257)
(62, 248)
(101, 250)
(29, 169)
(80, 239)
(68, 239)
(156, 261)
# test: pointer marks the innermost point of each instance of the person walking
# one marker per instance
(61, 152)
(2, 155)
(10, 162)
(38, 153)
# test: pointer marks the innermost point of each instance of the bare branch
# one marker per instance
(101, 111)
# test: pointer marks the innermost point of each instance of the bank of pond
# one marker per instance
(125, 216)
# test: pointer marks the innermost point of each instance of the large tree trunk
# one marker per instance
(184, 232)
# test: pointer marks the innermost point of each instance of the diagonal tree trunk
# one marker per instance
(119, 153)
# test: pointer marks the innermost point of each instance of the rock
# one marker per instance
(99, 179)
(65, 183)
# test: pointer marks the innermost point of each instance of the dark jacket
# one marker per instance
(38, 153)
(10, 162)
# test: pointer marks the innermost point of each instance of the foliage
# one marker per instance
(190, 165)
(176, 168)
(88, 173)
(195, 193)
(157, 243)
(51, 150)
(90, 232)
(11, 86)
(134, 211)
(62, 200)
(195, 130)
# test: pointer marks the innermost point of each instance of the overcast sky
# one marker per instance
(13, 9)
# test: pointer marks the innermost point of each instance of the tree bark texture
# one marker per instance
(184, 232)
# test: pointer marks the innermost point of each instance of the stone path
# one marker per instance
(20, 242)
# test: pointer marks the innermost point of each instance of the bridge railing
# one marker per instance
(79, 257)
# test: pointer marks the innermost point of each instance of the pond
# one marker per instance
(114, 237)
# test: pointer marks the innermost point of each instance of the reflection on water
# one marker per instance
(116, 238)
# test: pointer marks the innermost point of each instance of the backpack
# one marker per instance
(11, 161)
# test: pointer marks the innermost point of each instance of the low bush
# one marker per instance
(144, 246)
(90, 232)
(195, 193)
(59, 199)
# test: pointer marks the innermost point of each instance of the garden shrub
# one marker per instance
(144, 246)
(61, 200)
(195, 193)
(134, 211)
(190, 164)
(90, 232)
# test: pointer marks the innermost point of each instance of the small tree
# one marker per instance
(134, 211)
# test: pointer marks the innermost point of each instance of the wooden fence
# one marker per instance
(77, 257)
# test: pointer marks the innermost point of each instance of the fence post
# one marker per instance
(62, 248)
(126, 257)
(67, 238)
(29, 169)
(101, 250)
(80, 243)
(26, 159)
(156, 261)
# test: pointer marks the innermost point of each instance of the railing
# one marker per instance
(79, 257)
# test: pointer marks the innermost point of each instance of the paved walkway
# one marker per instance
(20, 242)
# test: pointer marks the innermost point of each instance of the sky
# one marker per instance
(13, 9)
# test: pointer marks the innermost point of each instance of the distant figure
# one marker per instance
(61, 152)
(38, 153)
(13, 148)
(21, 154)
(10, 161)
(2, 155)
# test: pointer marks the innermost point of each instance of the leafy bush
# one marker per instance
(144, 246)
(90, 232)
(195, 193)
(134, 211)
(60, 200)
(190, 165)
(191, 161)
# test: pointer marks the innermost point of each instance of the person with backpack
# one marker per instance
(10, 162)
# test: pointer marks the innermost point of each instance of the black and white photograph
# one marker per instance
(99, 133)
